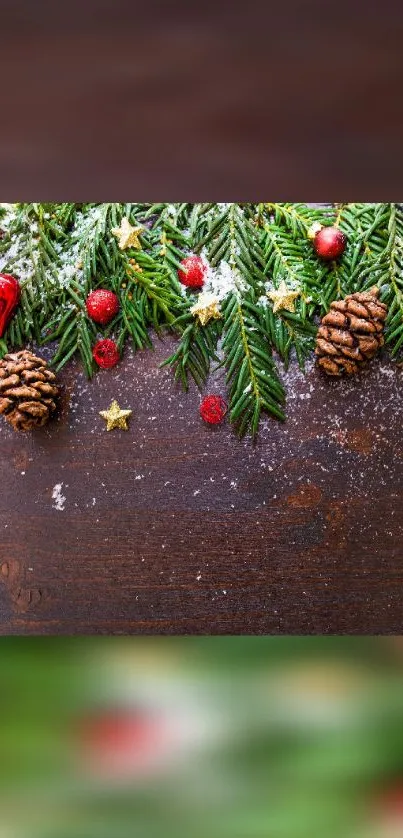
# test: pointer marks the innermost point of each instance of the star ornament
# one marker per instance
(206, 308)
(127, 235)
(115, 417)
(283, 298)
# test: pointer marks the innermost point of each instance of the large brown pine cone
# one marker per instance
(27, 390)
(351, 332)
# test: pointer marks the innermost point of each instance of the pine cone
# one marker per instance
(351, 332)
(27, 390)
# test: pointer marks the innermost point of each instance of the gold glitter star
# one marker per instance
(115, 417)
(206, 308)
(283, 298)
(127, 235)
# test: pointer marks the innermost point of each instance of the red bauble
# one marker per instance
(213, 409)
(9, 299)
(102, 305)
(106, 353)
(329, 243)
(192, 272)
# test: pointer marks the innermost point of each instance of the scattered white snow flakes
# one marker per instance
(58, 497)
(222, 280)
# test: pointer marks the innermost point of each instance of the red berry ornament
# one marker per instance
(192, 272)
(105, 353)
(213, 409)
(102, 305)
(9, 299)
(329, 243)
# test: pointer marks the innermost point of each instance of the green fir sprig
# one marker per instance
(62, 252)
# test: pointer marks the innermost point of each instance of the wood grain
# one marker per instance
(175, 527)
(184, 100)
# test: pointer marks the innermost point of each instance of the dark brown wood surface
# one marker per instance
(175, 527)
(184, 101)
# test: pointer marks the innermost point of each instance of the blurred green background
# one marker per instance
(227, 737)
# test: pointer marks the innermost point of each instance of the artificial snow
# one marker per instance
(222, 280)
(58, 497)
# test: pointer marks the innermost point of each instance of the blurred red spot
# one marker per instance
(390, 802)
(120, 744)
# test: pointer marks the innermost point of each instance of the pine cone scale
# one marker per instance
(337, 336)
(376, 311)
(326, 347)
(33, 408)
(11, 381)
(4, 404)
(351, 333)
(353, 353)
(46, 389)
(27, 390)
(358, 324)
(29, 375)
(335, 318)
(22, 392)
(370, 345)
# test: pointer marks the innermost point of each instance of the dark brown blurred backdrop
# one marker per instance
(195, 101)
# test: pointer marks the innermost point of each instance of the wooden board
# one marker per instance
(175, 527)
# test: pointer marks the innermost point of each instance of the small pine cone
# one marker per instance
(351, 332)
(28, 391)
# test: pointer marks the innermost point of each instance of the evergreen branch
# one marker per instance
(297, 218)
(284, 257)
(287, 331)
(61, 252)
(251, 373)
(196, 350)
(29, 254)
(165, 301)
(361, 264)
(393, 292)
